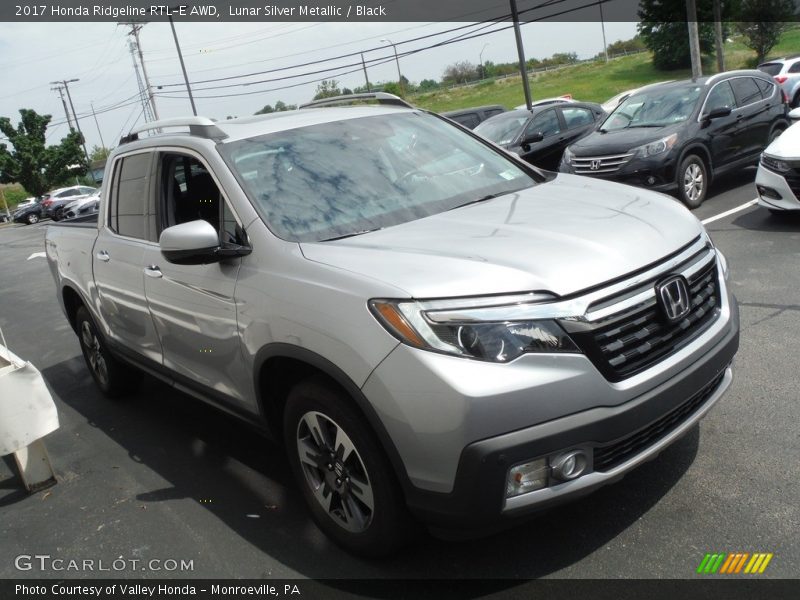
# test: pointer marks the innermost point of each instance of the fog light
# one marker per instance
(569, 465)
(768, 192)
(527, 477)
(651, 180)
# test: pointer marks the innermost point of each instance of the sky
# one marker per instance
(34, 54)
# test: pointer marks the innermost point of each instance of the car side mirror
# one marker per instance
(532, 138)
(196, 243)
(794, 114)
(717, 113)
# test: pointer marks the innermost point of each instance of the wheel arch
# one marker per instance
(72, 300)
(701, 151)
(279, 366)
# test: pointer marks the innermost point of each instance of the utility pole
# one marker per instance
(65, 83)
(60, 91)
(523, 70)
(694, 38)
(100, 133)
(397, 61)
(183, 66)
(135, 28)
(364, 65)
(148, 115)
(603, 27)
(480, 60)
(718, 36)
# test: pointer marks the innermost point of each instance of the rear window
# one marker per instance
(766, 87)
(746, 90)
(771, 68)
(129, 206)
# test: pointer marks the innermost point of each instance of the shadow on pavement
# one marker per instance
(194, 448)
(763, 220)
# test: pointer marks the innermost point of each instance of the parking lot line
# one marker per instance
(729, 212)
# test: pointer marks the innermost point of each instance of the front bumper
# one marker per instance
(774, 183)
(655, 173)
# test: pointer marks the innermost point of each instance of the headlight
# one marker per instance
(657, 147)
(566, 158)
(455, 327)
(775, 164)
(723, 263)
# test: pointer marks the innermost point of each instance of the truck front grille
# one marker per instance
(609, 456)
(597, 165)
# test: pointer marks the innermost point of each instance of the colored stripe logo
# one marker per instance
(734, 563)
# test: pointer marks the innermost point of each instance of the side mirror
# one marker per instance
(717, 113)
(196, 243)
(794, 114)
(532, 138)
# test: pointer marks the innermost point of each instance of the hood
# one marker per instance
(786, 146)
(563, 236)
(619, 141)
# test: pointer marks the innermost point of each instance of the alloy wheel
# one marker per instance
(693, 182)
(335, 472)
(94, 352)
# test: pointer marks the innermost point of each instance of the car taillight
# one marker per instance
(781, 78)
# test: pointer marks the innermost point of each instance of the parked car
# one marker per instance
(540, 135)
(678, 136)
(778, 176)
(546, 102)
(71, 209)
(55, 201)
(472, 117)
(786, 72)
(613, 102)
(435, 331)
(29, 213)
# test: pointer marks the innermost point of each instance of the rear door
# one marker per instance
(118, 258)
(751, 114)
(193, 306)
(578, 121)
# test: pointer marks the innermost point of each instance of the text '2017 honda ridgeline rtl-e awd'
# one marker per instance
(437, 331)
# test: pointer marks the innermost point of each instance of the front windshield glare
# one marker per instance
(346, 177)
(654, 108)
(501, 130)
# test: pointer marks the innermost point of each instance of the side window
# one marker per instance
(188, 193)
(546, 123)
(470, 120)
(577, 117)
(745, 90)
(795, 68)
(721, 96)
(493, 111)
(68, 193)
(766, 87)
(129, 195)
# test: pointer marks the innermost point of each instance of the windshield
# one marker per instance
(654, 108)
(347, 177)
(501, 130)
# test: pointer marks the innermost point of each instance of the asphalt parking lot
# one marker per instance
(162, 476)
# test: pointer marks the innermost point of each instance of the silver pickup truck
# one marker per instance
(438, 332)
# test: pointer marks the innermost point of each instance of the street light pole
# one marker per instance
(183, 66)
(397, 61)
(603, 27)
(66, 83)
(364, 64)
(480, 58)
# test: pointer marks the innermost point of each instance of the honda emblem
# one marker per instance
(672, 295)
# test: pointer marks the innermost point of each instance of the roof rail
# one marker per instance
(198, 126)
(381, 97)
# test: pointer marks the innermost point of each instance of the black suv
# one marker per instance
(676, 136)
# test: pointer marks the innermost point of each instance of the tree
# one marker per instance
(393, 88)
(266, 110)
(32, 163)
(663, 30)
(762, 36)
(327, 88)
(426, 85)
(460, 72)
(99, 153)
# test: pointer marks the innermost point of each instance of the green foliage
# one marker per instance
(14, 194)
(32, 163)
(327, 88)
(635, 44)
(762, 36)
(426, 85)
(393, 88)
(98, 153)
(459, 72)
(280, 106)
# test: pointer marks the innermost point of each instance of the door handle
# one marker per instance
(739, 117)
(103, 256)
(153, 271)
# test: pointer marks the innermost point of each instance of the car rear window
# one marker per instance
(771, 68)
(746, 90)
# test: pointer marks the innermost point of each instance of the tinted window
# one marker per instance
(545, 123)
(344, 177)
(496, 111)
(771, 68)
(766, 87)
(655, 107)
(502, 130)
(745, 90)
(68, 193)
(129, 207)
(470, 120)
(577, 117)
(795, 68)
(721, 96)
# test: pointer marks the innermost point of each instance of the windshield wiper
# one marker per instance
(347, 235)
(481, 199)
(645, 125)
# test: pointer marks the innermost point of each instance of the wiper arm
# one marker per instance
(482, 199)
(347, 235)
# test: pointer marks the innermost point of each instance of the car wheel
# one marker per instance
(32, 219)
(775, 133)
(796, 100)
(345, 478)
(692, 181)
(58, 215)
(114, 378)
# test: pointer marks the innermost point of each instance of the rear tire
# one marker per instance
(32, 219)
(692, 179)
(114, 378)
(345, 477)
(775, 133)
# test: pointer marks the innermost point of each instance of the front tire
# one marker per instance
(345, 478)
(692, 181)
(114, 378)
(32, 219)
